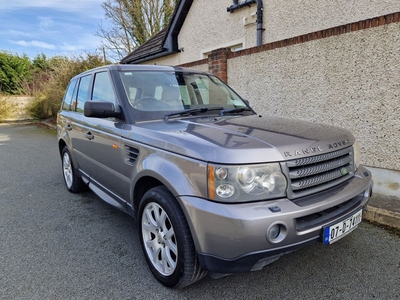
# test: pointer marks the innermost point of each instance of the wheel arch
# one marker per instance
(159, 171)
(144, 184)
(61, 145)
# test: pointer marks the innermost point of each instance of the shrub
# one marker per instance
(48, 100)
(13, 70)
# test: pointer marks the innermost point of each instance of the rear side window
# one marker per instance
(69, 95)
(83, 92)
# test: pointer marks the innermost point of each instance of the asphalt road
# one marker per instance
(58, 245)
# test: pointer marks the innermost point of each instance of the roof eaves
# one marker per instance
(168, 36)
(151, 56)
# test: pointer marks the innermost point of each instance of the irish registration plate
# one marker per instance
(336, 231)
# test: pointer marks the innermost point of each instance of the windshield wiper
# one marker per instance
(193, 111)
(187, 112)
(233, 110)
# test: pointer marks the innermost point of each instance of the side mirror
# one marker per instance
(99, 109)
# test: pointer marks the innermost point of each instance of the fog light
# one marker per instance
(276, 233)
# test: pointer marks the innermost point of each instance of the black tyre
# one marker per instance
(72, 181)
(166, 240)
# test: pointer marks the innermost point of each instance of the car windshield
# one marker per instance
(159, 93)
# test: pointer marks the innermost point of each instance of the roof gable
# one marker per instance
(165, 42)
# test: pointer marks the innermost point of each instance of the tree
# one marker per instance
(133, 22)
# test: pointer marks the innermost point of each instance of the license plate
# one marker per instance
(336, 231)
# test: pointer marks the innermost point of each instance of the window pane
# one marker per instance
(103, 88)
(83, 92)
(68, 95)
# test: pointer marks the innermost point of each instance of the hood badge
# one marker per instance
(318, 149)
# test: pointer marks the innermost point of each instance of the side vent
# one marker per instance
(131, 154)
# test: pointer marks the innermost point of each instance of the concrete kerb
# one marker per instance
(383, 210)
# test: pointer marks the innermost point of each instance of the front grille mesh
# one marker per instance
(317, 173)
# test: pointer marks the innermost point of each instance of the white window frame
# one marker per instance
(235, 45)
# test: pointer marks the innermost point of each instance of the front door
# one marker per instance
(103, 143)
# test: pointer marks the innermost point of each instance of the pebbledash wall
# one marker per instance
(350, 80)
(346, 75)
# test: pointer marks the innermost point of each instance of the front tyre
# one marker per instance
(72, 181)
(166, 240)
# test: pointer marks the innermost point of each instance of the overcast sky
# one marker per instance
(52, 27)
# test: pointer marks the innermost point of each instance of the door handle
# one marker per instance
(68, 127)
(89, 135)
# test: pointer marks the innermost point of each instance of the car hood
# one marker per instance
(247, 139)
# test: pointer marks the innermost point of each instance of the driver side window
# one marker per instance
(103, 88)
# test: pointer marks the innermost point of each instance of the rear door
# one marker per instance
(73, 119)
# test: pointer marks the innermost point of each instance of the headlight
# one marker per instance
(357, 155)
(246, 182)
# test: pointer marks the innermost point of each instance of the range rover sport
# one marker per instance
(215, 188)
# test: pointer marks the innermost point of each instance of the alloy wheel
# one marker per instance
(159, 239)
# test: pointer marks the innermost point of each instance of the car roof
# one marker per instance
(131, 67)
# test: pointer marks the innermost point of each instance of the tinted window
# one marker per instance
(103, 88)
(68, 95)
(83, 91)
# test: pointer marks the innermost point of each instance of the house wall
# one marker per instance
(285, 19)
(209, 26)
(172, 60)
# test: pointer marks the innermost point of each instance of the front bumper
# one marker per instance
(231, 238)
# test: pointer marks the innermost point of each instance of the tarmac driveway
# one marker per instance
(58, 245)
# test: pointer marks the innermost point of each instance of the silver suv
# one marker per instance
(215, 188)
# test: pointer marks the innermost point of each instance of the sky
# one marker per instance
(52, 27)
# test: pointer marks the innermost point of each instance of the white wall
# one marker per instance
(209, 25)
(288, 18)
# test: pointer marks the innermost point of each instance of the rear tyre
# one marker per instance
(72, 181)
(166, 240)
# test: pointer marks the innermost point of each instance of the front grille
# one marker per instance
(314, 174)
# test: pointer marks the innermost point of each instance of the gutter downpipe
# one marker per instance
(260, 8)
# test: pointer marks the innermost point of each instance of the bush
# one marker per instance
(40, 108)
(13, 70)
(48, 100)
